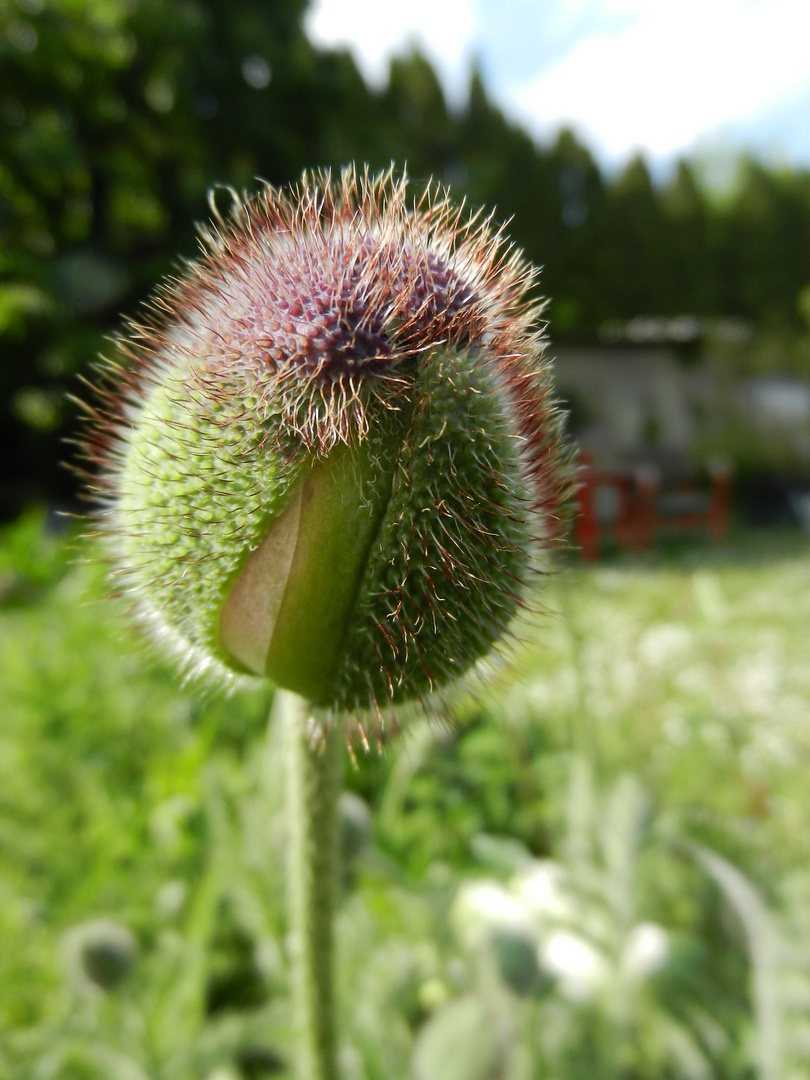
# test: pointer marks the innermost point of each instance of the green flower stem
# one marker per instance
(314, 756)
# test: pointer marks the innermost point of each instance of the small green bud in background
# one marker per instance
(329, 454)
(516, 959)
(99, 955)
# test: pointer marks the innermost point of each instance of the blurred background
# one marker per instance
(600, 869)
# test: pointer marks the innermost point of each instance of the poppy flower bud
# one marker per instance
(100, 955)
(330, 452)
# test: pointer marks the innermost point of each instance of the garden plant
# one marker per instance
(329, 454)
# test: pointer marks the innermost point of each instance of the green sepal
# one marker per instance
(201, 480)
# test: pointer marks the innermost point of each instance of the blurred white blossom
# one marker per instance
(646, 950)
(581, 969)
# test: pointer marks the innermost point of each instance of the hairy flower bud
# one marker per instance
(330, 453)
(99, 954)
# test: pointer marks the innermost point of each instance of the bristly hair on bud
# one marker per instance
(329, 453)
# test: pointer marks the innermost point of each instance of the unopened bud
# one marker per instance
(330, 452)
(99, 954)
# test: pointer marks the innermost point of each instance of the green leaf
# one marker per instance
(460, 1042)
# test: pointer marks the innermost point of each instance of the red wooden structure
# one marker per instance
(636, 504)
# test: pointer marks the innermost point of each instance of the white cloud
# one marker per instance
(678, 71)
(444, 30)
(658, 76)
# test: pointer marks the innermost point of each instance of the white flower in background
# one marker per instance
(664, 644)
(646, 950)
(560, 926)
(582, 970)
(482, 908)
(543, 891)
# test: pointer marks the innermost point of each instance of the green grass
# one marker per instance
(694, 672)
(126, 796)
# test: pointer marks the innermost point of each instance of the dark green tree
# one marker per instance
(116, 118)
(688, 284)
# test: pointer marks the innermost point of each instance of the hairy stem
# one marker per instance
(314, 772)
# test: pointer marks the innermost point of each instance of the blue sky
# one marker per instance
(664, 77)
